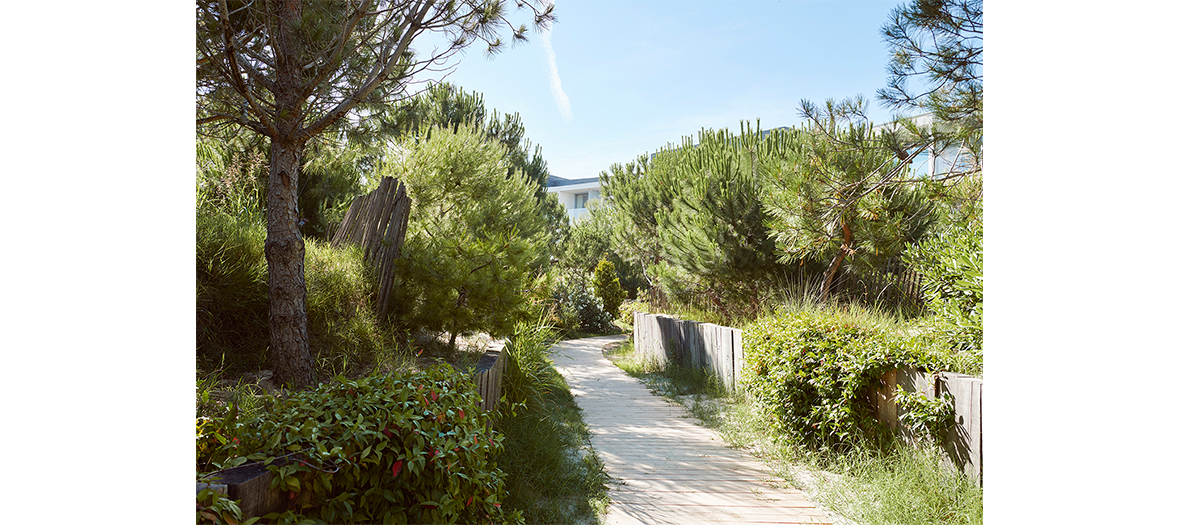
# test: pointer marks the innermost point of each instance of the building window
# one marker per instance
(580, 200)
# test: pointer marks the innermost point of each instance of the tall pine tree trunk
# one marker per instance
(290, 355)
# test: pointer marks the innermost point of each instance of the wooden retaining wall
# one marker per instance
(489, 372)
(963, 445)
(664, 339)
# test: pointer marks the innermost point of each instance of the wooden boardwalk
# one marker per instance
(666, 468)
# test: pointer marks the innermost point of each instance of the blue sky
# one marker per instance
(636, 75)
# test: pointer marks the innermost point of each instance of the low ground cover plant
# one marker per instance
(410, 449)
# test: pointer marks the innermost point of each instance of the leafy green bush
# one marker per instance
(814, 374)
(215, 509)
(607, 287)
(929, 419)
(951, 265)
(474, 231)
(410, 449)
(579, 308)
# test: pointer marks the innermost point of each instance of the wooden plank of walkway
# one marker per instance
(665, 468)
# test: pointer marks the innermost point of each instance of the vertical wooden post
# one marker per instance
(886, 405)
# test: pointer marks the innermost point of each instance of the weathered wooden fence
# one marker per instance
(688, 343)
(488, 373)
(377, 222)
(963, 444)
(894, 284)
(665, 339)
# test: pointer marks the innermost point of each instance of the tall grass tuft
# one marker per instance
(553, 474)
(527, 372)
(232, 303)
(903, 485)
(345, 334)
(233, 328)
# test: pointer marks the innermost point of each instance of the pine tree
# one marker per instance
(294, 69)
(940, 43)
(474, 229)
(835, 198)
(716, 230)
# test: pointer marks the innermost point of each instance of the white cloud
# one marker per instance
(563, 102)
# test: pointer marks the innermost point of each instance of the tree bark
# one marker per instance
(290, 355)
(832, 268)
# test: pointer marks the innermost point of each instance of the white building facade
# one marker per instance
(574, 194)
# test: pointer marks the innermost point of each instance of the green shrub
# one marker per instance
(951, 265)
(578, 306)
(410, 449)
(814, 374)
(628, 308)
(607, 288)
(929, 418)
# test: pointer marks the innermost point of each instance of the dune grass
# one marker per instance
(554, 476)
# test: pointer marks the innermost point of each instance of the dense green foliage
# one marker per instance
(474, 232)
(607, 288)
(951, 264)
(735, 220)
(928, 419)
(832, 200)
(409, 449)
(215, 509)
(692, 218)
(575, 306)
(814, 374)
(232, 303)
